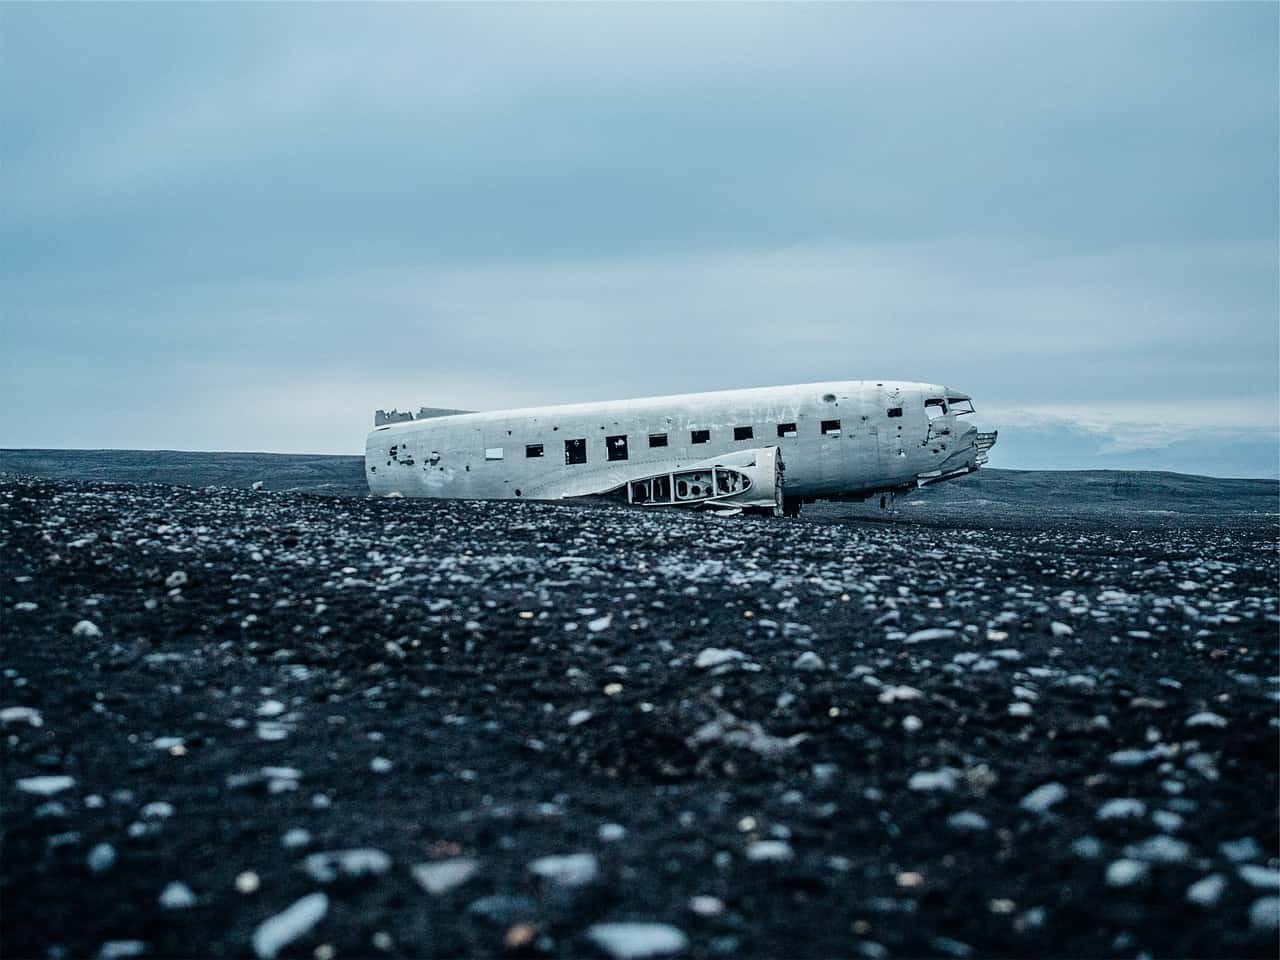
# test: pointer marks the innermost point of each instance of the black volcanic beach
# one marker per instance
(268, 723)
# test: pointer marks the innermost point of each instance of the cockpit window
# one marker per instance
(935, 407)
(961, 407)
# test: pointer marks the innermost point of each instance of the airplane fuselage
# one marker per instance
(841, 439)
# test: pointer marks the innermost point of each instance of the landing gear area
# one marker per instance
(791, 506)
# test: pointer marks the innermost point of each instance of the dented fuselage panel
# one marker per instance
(833, 440)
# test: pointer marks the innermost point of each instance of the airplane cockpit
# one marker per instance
(959, 448)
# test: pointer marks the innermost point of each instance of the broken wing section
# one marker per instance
(742, 480)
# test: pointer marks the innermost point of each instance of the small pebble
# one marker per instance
(177, 896)
(638, 941)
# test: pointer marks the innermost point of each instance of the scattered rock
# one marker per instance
(354, 864)
(1122, 808)
(101, 858)
(968, 821)
(1044, 797)
(1207, 891)
(1159, 849)
(276, 933)
(177, 896)
(1126, 873)
(1264, 914)
(638, 941)
(442, 876)
(715, 657)
(943, 780)
(46, 786)
(569, 870)
(770, 851)
(1260, 878)
(809, 661)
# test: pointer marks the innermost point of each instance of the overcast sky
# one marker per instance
(246, 227)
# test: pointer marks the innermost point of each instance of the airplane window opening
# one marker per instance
(895, 411)
(935, 407)
(657, 439)
(831, 428)
(575, 451)
(743, 433)
(829, 397)
(493, 453)
(616, 447)
(532, 450)
(786, 430)
(517, 491)
(699, 436)
(961, 407)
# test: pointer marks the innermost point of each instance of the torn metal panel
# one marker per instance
(744, 480)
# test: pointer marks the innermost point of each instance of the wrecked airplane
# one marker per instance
(767, 449)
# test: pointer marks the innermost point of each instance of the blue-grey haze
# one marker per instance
(244, 227)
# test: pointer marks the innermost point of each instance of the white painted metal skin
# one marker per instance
(851, 439)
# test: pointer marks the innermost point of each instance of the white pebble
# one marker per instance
(27, 715)
(86, 629)
(177, 896)
(353, 864)
(441, 877)
(276, 933)
(1159, 849)
(638, 941)
(943, 780)
(1125, 873)
(706, 906)
(101, 858)
(46, 786)
(1261, 878)
(1042, 798)
(1121, 808)
(1207, 891)
(714, 657)
(569, 870)
(770, 851)
(809, 661)
(935, 633)
(1265, 914)
(967, 821)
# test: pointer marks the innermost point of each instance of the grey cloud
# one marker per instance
(479, 205)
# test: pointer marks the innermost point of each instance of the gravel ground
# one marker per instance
(243, 723)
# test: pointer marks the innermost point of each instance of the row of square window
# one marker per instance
(575, 451)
